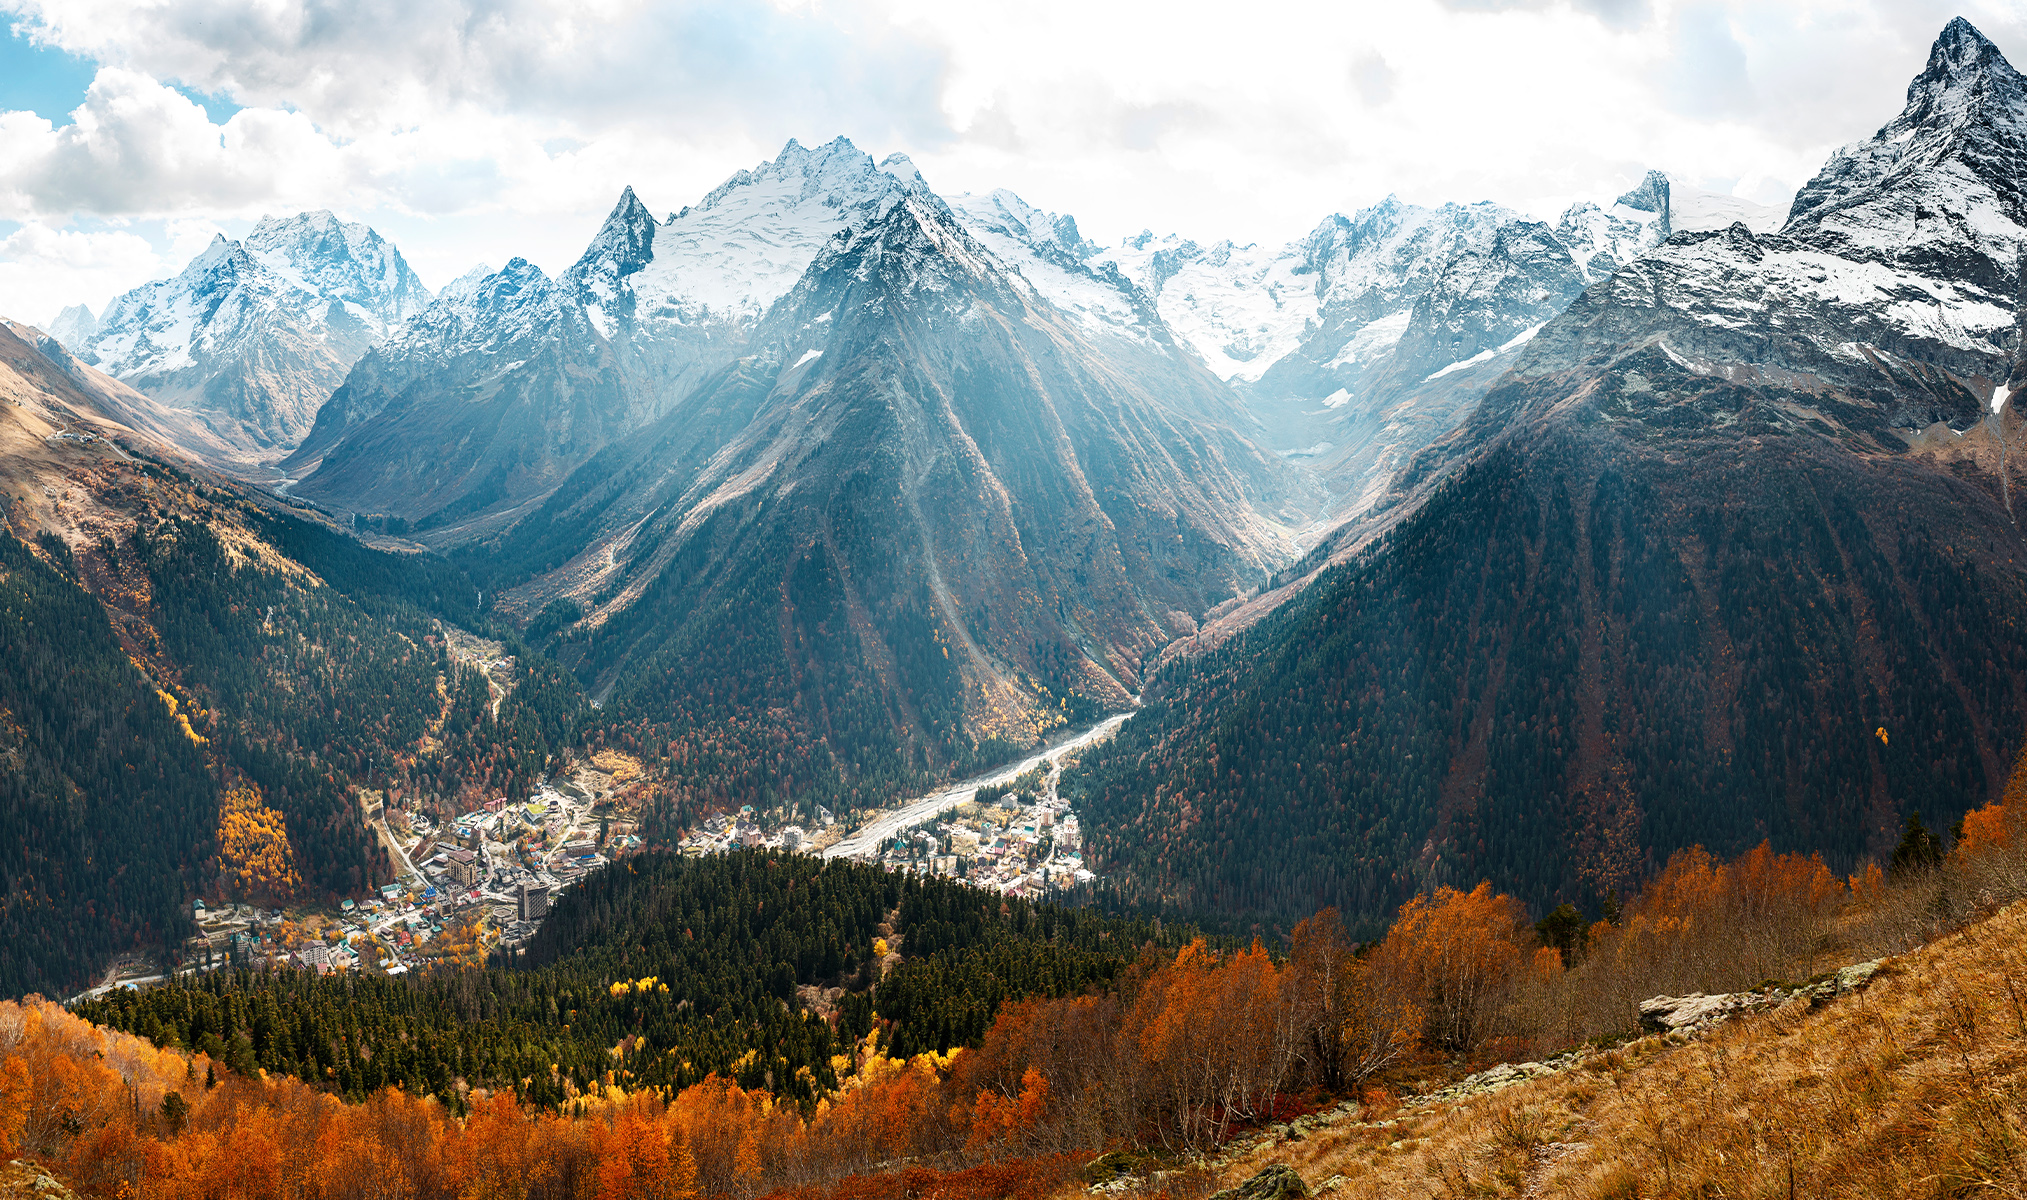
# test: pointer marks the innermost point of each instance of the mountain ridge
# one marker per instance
(1741, 505)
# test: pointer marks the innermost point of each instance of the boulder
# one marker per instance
(1667, 1014)
(1278, 1182)
(1682, 1014)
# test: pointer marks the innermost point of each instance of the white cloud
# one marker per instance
(482, 129)
(137, 147)
(44, 270)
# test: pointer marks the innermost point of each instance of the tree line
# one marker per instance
(1178, 1050)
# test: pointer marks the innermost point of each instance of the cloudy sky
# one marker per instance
(474, 130)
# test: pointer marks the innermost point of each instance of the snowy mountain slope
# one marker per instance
(342, 261)
(671, 303)
(647, 313)
(1051, 254)
(251, 337)
(1674, 205)
(678, 297)
(74, 327)
(1349, 346)
(1893, 283)
(1240, 307)
(491, 394)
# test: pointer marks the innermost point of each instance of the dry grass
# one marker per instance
(1913, 1088)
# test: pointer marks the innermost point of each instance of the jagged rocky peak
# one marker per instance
(1006, 213)
(1942, 177)
(1650, 195)
(1966, 77)
(1929, 207)
(914, 248)
(902, 169)
(731, 255)
(342, 261)
(74, 327)
(486, 312)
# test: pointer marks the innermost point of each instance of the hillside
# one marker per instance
(1182, 1071)
(1910, 1087)
(717, 967)
(173, 639)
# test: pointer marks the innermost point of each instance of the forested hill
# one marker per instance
(661, 972)
(1581, 655)
(168, 641)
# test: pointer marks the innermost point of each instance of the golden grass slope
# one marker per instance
(1913, 1087)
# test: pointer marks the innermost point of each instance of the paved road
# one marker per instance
(893, 820)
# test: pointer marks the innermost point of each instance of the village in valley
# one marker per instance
(475, 881)
(1018, 837)
(466, 886)
(1009, 831)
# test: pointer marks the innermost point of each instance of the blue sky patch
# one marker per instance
(46, 82)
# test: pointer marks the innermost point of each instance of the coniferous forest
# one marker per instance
(660, 973)
(1571, 662)
(222, 645)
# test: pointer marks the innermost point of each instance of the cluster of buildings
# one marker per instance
(729, 831)
(514, 859)
(494, 871)
(1020, 844)
(1021, 849)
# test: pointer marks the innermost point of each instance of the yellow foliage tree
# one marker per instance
(253, 845)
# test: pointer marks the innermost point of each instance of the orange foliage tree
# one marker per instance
(1456, 953)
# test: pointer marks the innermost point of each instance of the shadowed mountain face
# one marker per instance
(924, 514)
(869, 504)
(494, 393)
(1729, 554)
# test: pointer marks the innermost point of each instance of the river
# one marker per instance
(890, 821)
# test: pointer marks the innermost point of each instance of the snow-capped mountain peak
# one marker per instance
(1899, 259)
(730, 256)
(623, 245)
(250, 337)
(74, 327)
(1947, 166)
(343, 261)
(903, 170)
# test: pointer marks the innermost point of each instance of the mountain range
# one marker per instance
(242, 348)
(1728, 553)
(1441, 544)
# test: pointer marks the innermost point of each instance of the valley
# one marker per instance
(844, 689)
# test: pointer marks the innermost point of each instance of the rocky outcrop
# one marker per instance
(1673, 1014)
(1278, 1182)
(25, 1180)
